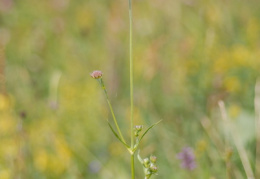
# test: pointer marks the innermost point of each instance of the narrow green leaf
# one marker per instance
(148, 130)
(114, 132)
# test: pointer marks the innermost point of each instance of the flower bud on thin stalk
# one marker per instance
(137, 130)
(98, 76)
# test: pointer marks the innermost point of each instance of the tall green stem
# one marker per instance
(131, 85)
(131, 71)
(133, 165)
(111, 109)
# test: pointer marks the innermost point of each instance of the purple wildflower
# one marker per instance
(187, 158)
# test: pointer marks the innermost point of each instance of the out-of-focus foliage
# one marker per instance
(188, 55)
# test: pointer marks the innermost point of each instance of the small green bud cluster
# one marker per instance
(137, 130)
(150, 166)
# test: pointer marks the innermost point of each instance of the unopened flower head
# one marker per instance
(146, 163)
(96, 74)
(153, 158)
(139, 128)
(187, 158)
(153, 168)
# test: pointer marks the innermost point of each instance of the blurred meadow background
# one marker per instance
(188, 55)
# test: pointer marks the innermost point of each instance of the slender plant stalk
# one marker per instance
(131, 85)
(257, 124)
(111, 109)
(131, 70)
(133, 165)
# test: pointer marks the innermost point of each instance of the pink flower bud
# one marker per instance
(96, 74)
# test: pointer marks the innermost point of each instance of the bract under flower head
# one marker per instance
(96, 74)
